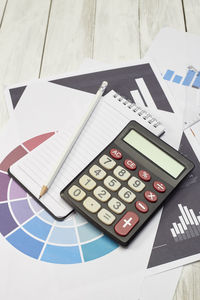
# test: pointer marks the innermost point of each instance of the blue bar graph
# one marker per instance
(188, 80)
(196, 83)
(188, 77)
(177, 78)
(168, 75)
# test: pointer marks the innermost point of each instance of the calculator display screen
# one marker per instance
(154, 153)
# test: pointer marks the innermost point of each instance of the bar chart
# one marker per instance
(192, 78)
(188, 227)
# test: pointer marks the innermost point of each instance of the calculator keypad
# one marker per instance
(112, 183)
(107, 162)
(106, 216)
(91, 205)
(126, 195)
(101, 194)
(116, 190)
(136, 184)
(117, 206)
(87, 183)
(97, 172)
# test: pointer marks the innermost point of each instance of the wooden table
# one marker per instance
(39, 38)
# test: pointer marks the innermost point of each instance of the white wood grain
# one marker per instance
(192, 15)
(69, 37)
(2, 9)
(116, 31)
(21, 41)
(156, 14)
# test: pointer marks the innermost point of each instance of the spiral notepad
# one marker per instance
(109, 117)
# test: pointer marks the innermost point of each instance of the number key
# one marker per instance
(76, 193)
(126, 195)
(121, 173)
(117, 206)
(112, 183)
(97, 172)
(136, 184)
(101, 194)
(87, 182)
(107, 162)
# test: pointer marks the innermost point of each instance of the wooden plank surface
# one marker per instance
(42, 38)
(21, 41)
(156, 14)
(69, 37)
(192, 15)
(116, 31)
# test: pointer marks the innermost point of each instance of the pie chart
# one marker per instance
(32, 231)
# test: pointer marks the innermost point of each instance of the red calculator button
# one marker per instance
(141, 206)
(144, 175)
(126, 223)
(150, 196)
(129, 164)
(159, 186)
(115, 153)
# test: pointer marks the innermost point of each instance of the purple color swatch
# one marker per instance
(4, 181)
(36, 207)
(16, 191)
(7, 223)
(21, 210)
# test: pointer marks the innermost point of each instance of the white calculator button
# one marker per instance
(121, 173)
(76, 193)
(117, 206)
(136, 184)
(112, 183)
(87, 183)
(91, 205)
(126, 195)
(105, 216)
(101, 194)
(97, 172)
(107, 162)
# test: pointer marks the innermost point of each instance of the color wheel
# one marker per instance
(31, 230)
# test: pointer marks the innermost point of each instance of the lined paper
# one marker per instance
(108, 119)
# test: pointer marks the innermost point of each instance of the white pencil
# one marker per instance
(71, 143)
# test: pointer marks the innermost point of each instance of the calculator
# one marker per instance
(121, 189)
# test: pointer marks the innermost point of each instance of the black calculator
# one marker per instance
(127, 182)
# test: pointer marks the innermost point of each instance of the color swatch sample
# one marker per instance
(31, 230)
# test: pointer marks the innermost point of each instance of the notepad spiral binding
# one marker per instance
(136, 109)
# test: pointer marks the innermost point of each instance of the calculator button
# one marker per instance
(126, 195)
(121, 173)
(141, 206)
(159, 186)
(117, 206)
(76, 193)
(136, 184)
(91, 205)
(150, 196)
(112, 183)
(87, 182)
(97, 172)
(107, 162)
(101, 194)
(144, 175)
(126, 223)
(115, 153)
(105, 216)
(129, 164)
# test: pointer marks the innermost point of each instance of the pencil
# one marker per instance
(71, 143)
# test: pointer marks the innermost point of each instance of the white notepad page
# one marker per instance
(108, 119)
